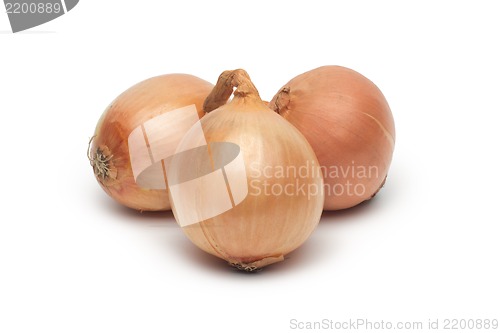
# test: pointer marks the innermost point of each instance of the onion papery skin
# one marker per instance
(143, 101)
(348, 122)
(262, 229)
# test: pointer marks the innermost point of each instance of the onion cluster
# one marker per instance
(247, 180)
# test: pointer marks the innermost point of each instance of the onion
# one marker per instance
(238, 194)
(349, 124)
(109, 152)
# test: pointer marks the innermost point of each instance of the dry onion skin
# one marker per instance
(276, 216)
(349, 124)
(109, 151)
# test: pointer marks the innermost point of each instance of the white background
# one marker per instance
(71, 260)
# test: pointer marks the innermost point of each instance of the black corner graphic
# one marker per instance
(27, 14)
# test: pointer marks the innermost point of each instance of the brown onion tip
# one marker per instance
(256, 265)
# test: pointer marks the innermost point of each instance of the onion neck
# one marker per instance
(225, 87)
(280, 101)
